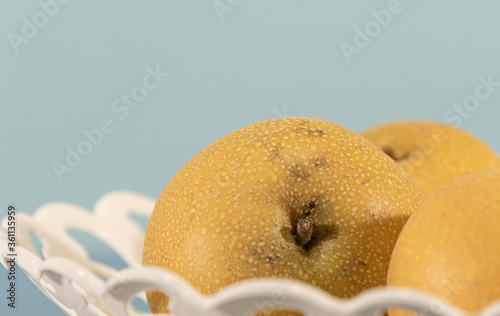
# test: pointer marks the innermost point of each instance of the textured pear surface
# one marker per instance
(294, 198)
(433, 153)
(450, 247)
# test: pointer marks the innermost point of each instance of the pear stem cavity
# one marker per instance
(304, 231)
(390, 152)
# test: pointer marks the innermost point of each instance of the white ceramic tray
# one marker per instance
(81, 286)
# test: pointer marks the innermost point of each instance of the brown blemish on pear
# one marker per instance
(300, 172)
(319, 162)
(315, 133)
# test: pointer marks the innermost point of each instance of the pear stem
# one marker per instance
(304, 231)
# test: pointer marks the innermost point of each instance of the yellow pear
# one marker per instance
(294, 198)
(450, 246)
(433, 153)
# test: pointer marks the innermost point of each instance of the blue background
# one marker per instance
(260, 60)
